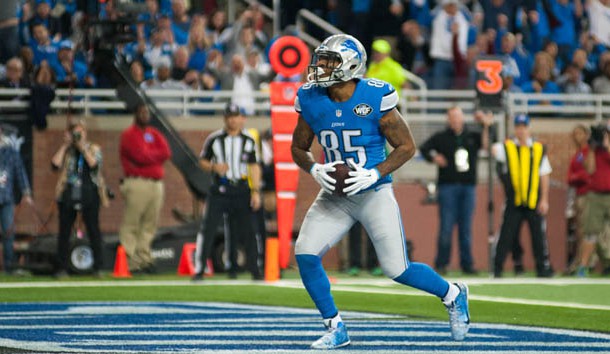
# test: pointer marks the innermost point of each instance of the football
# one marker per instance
(341, 174)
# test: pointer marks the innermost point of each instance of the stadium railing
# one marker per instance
(417, 105)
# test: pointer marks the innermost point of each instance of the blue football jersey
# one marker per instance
(349, 130)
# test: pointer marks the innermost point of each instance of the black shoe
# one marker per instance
(470, 271)
(258, 276)
(150, 269)
(519, 269)
(545, 273)
(232, 275)
(197, 277)
(497, 274)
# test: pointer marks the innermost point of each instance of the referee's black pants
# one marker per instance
(233, 201)
(513, 217)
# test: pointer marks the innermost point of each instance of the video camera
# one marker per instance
(597, 134)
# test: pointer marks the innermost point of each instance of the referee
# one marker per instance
(230, 155)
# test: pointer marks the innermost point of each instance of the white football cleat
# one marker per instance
(334, 338)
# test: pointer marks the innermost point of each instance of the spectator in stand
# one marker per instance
(254, 62)
(360, 22)
(571, 82)
(448, 44)
(540, 29)
(586, 67)
(599, 13)
(198, 45)
(541, 83)
(242, 45)
(161, 47)
(80, 188)
(602, 83)
(149, 17)
(143, 151)
(237, 78)
(136, 69)
(597, 210)
(43, 16)
(386, 18)
(579, 179)
(181, 71)
(520, 55)
(9, 30)
(568, 13)
(27, 58)
(15, 76)
(164, 81)
(414, 48)
(69, 71)
(41, 44)
(181, 20)
(498, 14)
(217, 25)
(510, 72)
(455, 151)
(552, 50)
(12, 175)
(175, 35)
(42, 94)
(383, 67)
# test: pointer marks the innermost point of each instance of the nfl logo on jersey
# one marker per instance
(338, 113)
(363, 110)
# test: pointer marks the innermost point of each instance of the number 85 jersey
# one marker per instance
(350, 129)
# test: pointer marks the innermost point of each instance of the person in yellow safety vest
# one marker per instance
(383, 67)
(527, 166)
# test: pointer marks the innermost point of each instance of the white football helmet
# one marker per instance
(342, 53)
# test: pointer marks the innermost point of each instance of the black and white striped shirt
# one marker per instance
(237, 151)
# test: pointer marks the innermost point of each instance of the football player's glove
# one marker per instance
(319, 172)
(362, 178)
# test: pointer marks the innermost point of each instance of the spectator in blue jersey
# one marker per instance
(42, 46)
(567, 13)
(523, 59)
(540, 29)
(12, 174)
(498, 14)
(68, 71)
(180, 19)
(43, 15)
(552, 50)
(198, 45)
(541, 82)
(149, 17)
(360, 118)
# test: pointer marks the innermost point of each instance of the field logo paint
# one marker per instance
(197, 327)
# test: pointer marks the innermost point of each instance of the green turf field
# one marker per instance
(560, 302)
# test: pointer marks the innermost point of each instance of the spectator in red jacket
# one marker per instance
(143, 151)
(579, 179)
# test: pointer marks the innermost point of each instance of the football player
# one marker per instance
(352, 118)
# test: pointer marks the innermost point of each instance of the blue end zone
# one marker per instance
(202, 327)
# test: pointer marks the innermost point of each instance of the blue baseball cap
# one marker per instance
(522, 119)
(66, 44)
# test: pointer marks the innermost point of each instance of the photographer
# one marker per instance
(80, 188)
(597, 210)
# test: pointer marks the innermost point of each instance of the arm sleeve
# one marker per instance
(20, 175)
(427, 147)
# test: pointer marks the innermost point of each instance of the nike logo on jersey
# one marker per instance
(363, 110)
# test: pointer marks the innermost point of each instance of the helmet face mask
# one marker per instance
(338, 59)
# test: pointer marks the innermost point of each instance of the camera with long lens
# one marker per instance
(597, 134)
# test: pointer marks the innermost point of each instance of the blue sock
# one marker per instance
(422, 277)
(316, 282)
